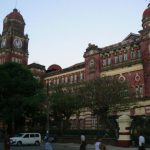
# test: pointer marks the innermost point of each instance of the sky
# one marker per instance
(60, 30)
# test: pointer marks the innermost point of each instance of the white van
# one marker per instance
(26, 139)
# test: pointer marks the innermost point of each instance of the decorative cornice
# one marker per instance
(121, 65)
(37, 66)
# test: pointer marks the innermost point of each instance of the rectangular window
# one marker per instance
(116, 59)
(104, 62)
(133, 55)
(137, 91)
(57, 81)
(36, 135)
(139, 53)
(26, 136)
(125, 57)
(13, 59)
(120, 58)
(109, 61)
(141, 91)
(54, 81)
(81, 76)
(49, 82)
(71, 78)
(62, 80)
(75, 78)
(31, 135)
(66, 79)
(94, 121)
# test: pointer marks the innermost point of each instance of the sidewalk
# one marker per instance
(91, 147)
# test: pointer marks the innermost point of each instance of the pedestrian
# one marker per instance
(141, 142)
(102, 146)
(83, 142)
(6, 142)
(97, 143)
(48, 145)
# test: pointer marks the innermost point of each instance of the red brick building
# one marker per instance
(128, 59)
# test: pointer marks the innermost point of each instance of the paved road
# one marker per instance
(66, 146)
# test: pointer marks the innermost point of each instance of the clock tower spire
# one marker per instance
(13, 41)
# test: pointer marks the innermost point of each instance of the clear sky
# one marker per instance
(60, 30)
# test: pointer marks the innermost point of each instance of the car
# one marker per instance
(26, 139)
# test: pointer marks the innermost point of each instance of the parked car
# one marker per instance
(26, 139)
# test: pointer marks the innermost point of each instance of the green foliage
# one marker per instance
(20, 93)
(140, 124)
(105, 95)
(64, 102)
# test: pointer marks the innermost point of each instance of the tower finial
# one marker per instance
(16, 3)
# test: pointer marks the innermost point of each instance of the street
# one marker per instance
(66, 146)
(55, 147)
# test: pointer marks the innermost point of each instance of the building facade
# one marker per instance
(128, 60)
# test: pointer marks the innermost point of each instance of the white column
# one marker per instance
(124, 123)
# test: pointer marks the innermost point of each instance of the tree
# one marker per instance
(20, 93)
(105, 95)
(64, 102)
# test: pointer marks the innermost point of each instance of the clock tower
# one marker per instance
(13, 41)
(145, 49)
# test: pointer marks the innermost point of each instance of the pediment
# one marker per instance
(131, 36)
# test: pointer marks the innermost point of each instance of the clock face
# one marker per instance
(3, 43)
(17, 43)
(92, 63)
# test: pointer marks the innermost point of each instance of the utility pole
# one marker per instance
(47, 113)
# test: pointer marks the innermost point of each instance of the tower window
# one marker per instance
(92, 63)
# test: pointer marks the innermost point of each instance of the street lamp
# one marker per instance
(47, 113)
